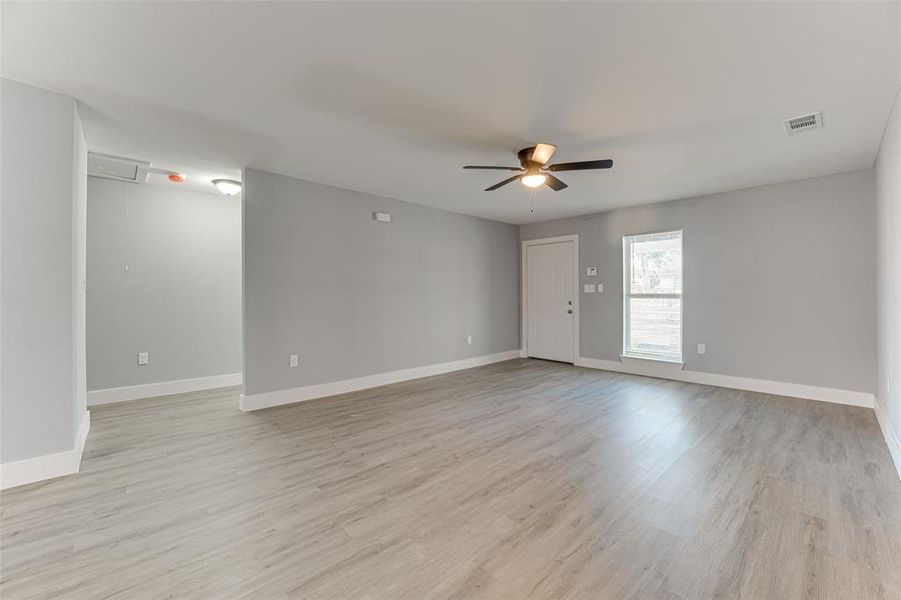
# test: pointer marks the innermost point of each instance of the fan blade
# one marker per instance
(554, 183)
(543, 153)
(503, 183)
(581, 166)
(494, 168)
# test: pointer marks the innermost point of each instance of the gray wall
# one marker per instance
(41, 172)
(179, 299)
(354, 297)
(888, 178)
(779, 280)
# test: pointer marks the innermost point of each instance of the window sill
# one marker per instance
(651, 359)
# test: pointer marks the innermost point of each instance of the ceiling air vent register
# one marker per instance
(118, 168)
(804, 123)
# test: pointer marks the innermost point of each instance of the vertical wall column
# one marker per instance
(888, 218)
(43, 421)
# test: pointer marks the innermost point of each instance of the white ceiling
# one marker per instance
(393, 98)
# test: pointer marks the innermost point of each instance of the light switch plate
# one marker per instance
(293, 361)
(589, 288)
(591, 271)
(143, 358)
(702, 348)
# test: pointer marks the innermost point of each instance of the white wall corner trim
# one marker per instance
(778, 388)
(891, 436)
(163, 388)
(290, 396)
(39, 468)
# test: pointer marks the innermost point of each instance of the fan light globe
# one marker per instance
(533, 181)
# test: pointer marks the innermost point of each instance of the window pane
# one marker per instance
(655, 327)
(656, 263)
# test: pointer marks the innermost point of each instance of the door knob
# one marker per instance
(569, 310)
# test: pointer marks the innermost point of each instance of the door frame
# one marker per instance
(524, 305)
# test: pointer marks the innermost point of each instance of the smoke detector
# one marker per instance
(804, 123)
(117, 168)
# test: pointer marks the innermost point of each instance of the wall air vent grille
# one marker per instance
(803, 123)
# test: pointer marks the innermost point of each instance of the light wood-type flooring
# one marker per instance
(524, 479)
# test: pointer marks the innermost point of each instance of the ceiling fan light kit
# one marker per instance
(534, 180)
(535, 172)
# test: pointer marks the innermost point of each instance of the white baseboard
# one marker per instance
(309, 392)
(39, 468)
(163, 388)
(779, 388)
(891, 436)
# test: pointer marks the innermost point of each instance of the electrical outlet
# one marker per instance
(293, 361)
(143, 358)
(600, 288)
(702, 348)
(468, 339)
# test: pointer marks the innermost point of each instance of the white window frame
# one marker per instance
(627, 295)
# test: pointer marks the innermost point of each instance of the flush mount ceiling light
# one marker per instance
(229, 187)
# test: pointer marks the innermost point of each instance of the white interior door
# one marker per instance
(550, 309)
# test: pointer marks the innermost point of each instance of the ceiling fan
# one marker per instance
(533, 173)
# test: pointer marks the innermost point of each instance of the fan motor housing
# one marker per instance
(525, 156)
